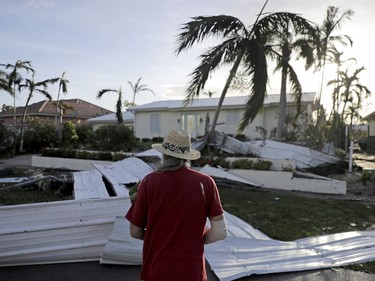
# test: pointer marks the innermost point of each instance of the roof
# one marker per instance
(231, 101)
(369, 116)
(126, 116)
(79, 108)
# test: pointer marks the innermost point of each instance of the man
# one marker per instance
(170, 213)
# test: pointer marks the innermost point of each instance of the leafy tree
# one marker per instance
(118, 103)
(241, 48)
(32, 86)
(137, 88)
(6, 107)
(15, 78)
(63, 87)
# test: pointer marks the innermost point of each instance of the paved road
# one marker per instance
(93, 271)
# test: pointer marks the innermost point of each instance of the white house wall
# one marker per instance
(266, 119)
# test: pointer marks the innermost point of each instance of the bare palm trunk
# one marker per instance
(282, 106)
(23, 123)
(232, 73)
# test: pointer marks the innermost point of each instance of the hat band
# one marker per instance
(174, 148)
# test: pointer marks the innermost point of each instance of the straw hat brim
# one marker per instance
(192, 154)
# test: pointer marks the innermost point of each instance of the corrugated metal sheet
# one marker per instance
(95, 229)
(57, 232)
(248, 251)
(239, 257)
(88, 185)
(127, 171)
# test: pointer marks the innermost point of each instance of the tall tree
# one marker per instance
(333, 21)
(32, 86)
(138, 87)
(118, 103)
(15, 78)
(240, 48)
(297, 37)
(63, 87)
(350, 90)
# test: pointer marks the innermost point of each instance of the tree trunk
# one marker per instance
(23, 123)
(232, 73)
(282, 106)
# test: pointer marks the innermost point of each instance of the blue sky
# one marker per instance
(104, 44)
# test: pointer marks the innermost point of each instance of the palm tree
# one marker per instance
(137, 88)
(32, 86)
(63, 86)
(332, 22)
(240, 47)
(350, 90)
(118, 103)
(4, 83)
(15, 78)
(300, 37)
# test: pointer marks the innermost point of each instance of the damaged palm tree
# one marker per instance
(241, 48)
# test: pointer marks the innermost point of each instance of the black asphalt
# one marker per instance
(94, 271)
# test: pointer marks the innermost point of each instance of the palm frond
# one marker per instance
(203, 27)
(255, 59)
(296, 90)
(103, 91)
(210, 60)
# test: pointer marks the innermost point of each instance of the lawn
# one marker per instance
(287, 216)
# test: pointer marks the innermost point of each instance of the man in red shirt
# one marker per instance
(170, 213)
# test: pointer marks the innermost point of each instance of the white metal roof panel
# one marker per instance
(89, 184)
(120, 173)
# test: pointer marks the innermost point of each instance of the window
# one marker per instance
(233, 117)
(155, 123)
(189, 122)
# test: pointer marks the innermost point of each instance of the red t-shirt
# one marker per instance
(173, 207)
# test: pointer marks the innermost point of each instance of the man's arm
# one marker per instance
(217, 231)
(136, 232)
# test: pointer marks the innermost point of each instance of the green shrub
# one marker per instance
(69, 135)
(39, 134)
(8, 137)
(262, 165)
(113, 138)
(242, 164)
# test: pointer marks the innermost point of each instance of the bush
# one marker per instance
(39, 134)
(242, 164)
(69, 135)
(7, 141)
(113, 138)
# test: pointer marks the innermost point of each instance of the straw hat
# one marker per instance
(177, 144)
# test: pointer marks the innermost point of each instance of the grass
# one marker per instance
(286, 216)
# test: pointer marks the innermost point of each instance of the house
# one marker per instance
(75, 110)
(108, 119)
(157, 118)
(370, 119)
